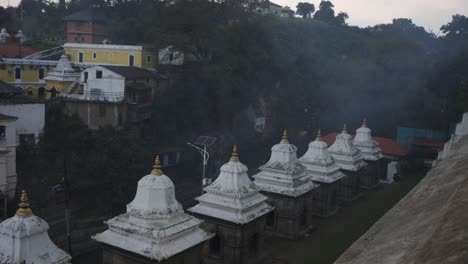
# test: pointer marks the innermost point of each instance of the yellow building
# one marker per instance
(104, 54)
(28, 75)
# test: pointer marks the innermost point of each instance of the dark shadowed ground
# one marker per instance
(334, 235)
(337, 233)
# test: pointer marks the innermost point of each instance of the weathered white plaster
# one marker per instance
(319, 163)
(369, 148)
(283, 174)
(232, 196)
(155, 225)
(24, 240)
(31, 117)
(346, 156)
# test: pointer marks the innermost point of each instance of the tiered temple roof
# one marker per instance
(346, 156)
(232, 196)
(155, 225)
(24, 239)
(319, 163)
(63, 71)
(363, 141)
(283, 174)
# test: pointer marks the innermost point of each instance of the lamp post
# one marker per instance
(206, 157)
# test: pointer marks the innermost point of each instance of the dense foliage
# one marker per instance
(301, 73)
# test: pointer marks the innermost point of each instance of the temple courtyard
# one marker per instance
(335, 234)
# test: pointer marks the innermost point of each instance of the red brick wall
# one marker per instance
(86, 32)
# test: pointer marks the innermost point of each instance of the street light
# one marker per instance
(205, 142)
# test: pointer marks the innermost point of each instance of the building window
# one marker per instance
(30, 92)
(41, 73)
(148, 59)
(18, 73)
(94, 55)
(131, 60)
(85, 76)
(2, 132)
(27, 139)
(78, 27)
(102, 110)
(41, 92)
(98, 74)
(80, 57)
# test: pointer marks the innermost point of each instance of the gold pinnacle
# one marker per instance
(319, 136)
(234, 156)
(24, 209)
(364, 122)
(284, 139)
(345, 129)
(157, 167)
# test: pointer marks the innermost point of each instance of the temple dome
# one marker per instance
(63, 71)
(232, 196)
(155, 225)
(366, 144)
(319, 163)
(24, 239)
(346, 156)
(283, 173)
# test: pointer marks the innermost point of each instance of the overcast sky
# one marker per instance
(431, 14)
(428, 13)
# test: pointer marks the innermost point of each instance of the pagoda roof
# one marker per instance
(155, 225)
(366, 144)
(345, 154)
(232, 196)
(24, 239)
(283, 173)
(319, 163)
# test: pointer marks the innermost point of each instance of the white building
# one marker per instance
(351, 162)
(319, 163)
(232, 196)
(345, 154)
(283, 174)
(288, 186)
(8, 155)
(323, 170)
(363, 141)
(155, 226)
(372, 154)
(24, 239)
(31, 117)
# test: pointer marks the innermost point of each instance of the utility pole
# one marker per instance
(205, 142)
(66, 184)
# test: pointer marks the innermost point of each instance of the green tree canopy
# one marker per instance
(305, 9)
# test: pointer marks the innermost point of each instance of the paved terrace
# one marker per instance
(428, 226)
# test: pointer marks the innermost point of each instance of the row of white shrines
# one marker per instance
(237, 213)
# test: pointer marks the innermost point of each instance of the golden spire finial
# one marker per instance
(284, 139)
(345, 129)
(319, 135)
(234, 156)
(157, 167)
(364, 122)
(24, 209)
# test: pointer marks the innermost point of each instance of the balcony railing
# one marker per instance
(98, 96)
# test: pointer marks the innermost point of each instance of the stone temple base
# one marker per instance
(325, 199)
(292, 218)
(234, 243)
(114, 255)
(349, 187)
(369, 177)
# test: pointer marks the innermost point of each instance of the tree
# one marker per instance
(457, 28)
(340, 19)
(305, 9)
(325, 13)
